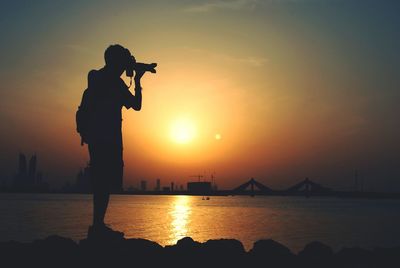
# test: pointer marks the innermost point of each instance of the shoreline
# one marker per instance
(227, 193)
(59, 251)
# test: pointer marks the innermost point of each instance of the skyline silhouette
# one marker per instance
(22, 179)
(27, 180)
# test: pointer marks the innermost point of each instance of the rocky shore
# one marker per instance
(56, 251)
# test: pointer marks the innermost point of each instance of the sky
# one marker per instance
(278, 90)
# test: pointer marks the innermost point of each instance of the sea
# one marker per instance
(292, 221)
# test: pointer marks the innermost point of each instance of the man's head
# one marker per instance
(117, 58)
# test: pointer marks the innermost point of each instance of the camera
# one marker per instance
(132, 65)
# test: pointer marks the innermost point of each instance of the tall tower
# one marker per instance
(39, 178)
(21, 177)
(158, 185)
(143, 185)
(32, 169)
(22, 164)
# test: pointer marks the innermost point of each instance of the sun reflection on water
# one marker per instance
(180, 218)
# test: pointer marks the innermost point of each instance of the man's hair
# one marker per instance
(116, 54)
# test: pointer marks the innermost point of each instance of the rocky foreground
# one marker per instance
(56, 251)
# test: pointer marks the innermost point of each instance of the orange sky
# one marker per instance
(292, 91)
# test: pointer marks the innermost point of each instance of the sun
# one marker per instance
(182, 131)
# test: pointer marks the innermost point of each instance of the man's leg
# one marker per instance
(100, 204)
(108, 180)
(102, 177)
(98, 155)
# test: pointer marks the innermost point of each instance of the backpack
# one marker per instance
(82, 118)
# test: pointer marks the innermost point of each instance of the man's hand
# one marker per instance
(138, 75)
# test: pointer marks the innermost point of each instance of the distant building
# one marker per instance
(82, 183)
(22, 165)
(158, 185)
(39, 178)
(172, 187)
(27, 178)
(32, 170)
(143, 185)
(199, 187)
(166, 189)
(215, 187)
(132, 189)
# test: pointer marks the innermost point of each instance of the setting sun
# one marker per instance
(182, 131)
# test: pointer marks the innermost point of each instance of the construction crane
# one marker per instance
(214, 185)
(197, 176)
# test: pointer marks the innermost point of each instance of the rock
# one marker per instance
(225, 252)
(316, 254)
(56, 251)
(16, 253)
(184, 245)
(354, 257)
(53, 251)
(140, 248)
(56, 242)
(140, 251)
(187, 243)
(142, 245)
(387, 257)
(186, 249)
(101, 242)
(9, 247)
(230, 247)
(271, 253)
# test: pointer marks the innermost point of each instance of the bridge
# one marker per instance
(307, 188)
(304, 188)
(252, 183)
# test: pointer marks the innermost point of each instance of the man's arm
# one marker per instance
(135, 101)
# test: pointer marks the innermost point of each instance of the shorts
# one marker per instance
(106, 167)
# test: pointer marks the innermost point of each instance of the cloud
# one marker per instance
(209, 5)
(257, 62)
(248, 60)
(222, 4)
(79, 49)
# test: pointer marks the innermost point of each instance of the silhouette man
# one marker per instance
(102, 102)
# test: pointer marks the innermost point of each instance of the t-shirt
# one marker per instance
(106, 94)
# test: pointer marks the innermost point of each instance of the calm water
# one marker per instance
(293, 221)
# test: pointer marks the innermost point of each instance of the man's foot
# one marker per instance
(103, 232)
